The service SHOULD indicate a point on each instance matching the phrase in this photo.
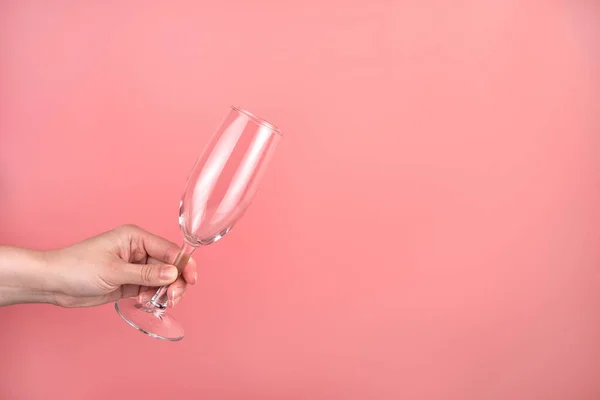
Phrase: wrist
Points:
(25, 277)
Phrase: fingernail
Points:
(168, 273)
(175, 293)
(195, 277)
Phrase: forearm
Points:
(24, 277)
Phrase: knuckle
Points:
(147, 273)
(129, 228)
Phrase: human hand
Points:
(124, 262)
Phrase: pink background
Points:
(429, 228)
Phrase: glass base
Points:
(148, 319)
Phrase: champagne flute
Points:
(218, 191)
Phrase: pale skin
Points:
(124, 262)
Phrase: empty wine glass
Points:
(218, 191)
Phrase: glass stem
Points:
(160, 299)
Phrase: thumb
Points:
(146, 274)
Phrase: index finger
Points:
(155, 246)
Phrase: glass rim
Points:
(257, 119)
